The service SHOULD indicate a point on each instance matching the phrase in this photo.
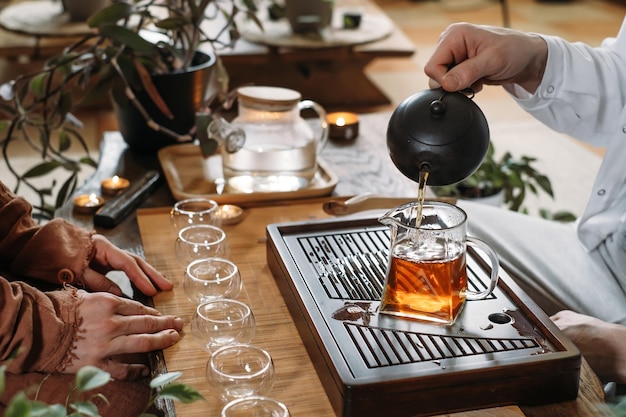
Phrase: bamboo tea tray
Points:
(500, 351)
(188, 177)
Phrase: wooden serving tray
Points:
(184, 169)
(501, 350)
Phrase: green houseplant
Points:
(512, 177)
(90, 378)
(133, 42)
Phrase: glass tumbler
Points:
(200, 241)
(255, 406)
(194, 211)
(238, 371)
(222, 322)
(210, 278)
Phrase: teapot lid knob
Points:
(437, 108)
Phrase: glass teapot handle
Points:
(321, 113)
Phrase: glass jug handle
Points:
(309, 104)
(493, 258)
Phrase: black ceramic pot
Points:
(183, 92)
(443, 133)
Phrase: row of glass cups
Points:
(240, 374)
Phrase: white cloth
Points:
(547, 260)
(583, 94)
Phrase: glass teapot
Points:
(281, 148)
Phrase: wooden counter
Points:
(297, 383)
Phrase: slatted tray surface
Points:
(501, 350)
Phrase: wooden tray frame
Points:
(530, 380)
(184, 171)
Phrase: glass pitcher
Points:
(281, 148)
(427, 274)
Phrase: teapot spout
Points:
(232, 138)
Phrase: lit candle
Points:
(229, 214)
(87, 203)
(112, 186)
(343, 125)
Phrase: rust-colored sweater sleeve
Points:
(42, 324)
(28, 250)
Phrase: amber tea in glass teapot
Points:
(281, 148)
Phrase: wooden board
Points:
(297, 383)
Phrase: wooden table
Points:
(333, 75)
(297, 383)
(361, 166)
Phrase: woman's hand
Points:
(107, 257)
(112, 329)
(471, 56)
(602, 344)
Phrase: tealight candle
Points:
(229, 214)
(112, 186)
(343, 125)
(87, 203)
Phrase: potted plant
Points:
(81, 400)
(507, 177)
(134, 48)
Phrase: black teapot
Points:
(444, 133)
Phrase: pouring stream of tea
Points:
(421, 195)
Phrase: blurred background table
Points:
(331, 73)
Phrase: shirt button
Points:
(601, 192)
(550, 89)
(66, 276)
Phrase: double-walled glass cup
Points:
(255, 406)
(194, 211)
(222, 322)
(200, 241)
(238, 371)
(210, 278)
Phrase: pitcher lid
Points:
(268, 98)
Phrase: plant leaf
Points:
(86, 160)
(129, 38)
(40, 409)
(545, 184)
(3, 369)
(110, 14)
(41, 169)
(173, 23)
(165, 378)
(36, 84)
(90, 377)
(151, 89)
(85, 408)
(65, 103)
(66, 190)
(19, 406)
(64, 141)
(180, 392)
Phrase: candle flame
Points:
(115, 179)
(341, 121)
(93, 198)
